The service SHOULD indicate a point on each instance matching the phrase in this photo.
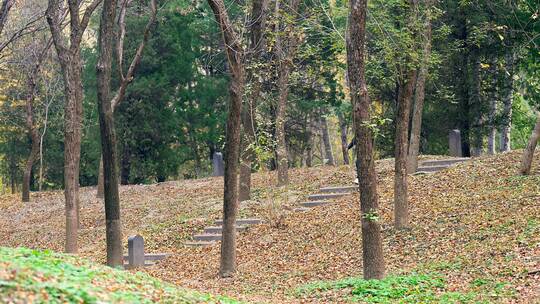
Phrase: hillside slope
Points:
(477, 225)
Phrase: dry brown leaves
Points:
(477, 218)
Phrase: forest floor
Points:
(475, 225)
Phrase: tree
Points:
(235, 58)
(32, 128)
(69, 56)
(106, 107)
(420, 92)
(257, 47)
(285, 50)
(372, 251)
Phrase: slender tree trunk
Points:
(507, 102)
(329, 153)
(343, 136)
(4, 12)
(420, 91)
(492, 133)
(528, 153)
(32, 130)
(373, 258)
(235, 58)
(108, 135)
(41, 140)
(101, 183)
(476, 103)
(285, 47)
(310, 142)
(401, 209)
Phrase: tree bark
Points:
(4, 12)
(285, 48)
(70, 62)
(343, 136)
(100, 186)
(235, 57)
(310, 141)
(507, 102)
(528, 153)
(462, 76)
(492, 133)
(476, 103)
(108, 135)
(420, 93)
(32, 129)
(329, 153)
(401, 204)
(258, 25)
(373, 258)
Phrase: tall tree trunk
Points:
(32, 130)
(258, 24)
(401, 204)
(492, 133)
(4, 12)
(420, 93)
(285, 48)
(372, 249)
(328, 152)
(406, 82)
(507, 102)
(462, 79)
(343, 136)
(108, 135)
(41, 140)
(69, 57)
(476, 103)
(528, 153)
(235, 58)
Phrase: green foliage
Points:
(412, 288)
(49, 277)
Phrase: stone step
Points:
(218, 229)
(151, 256)
(207, 237)
(146, 264)
(325, 196)
(443, 162)
(242, 222)
(312, 204)
(431, 168)
(200, 243)
(301, 209)
(339, 189)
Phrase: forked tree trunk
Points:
(416, 125)
(258, 24)
(507, 102)
(235, 58)
(343, 136)
(328, 151)
(372, 249)
(69, 57)
(528, 153)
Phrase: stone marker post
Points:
(217, 164)
(136, 251)
(454, 140)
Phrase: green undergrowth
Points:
(410, 288)
(33, 276)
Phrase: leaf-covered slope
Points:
(32, 276)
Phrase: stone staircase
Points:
(432, 166)
(325, 196)
(212, 234)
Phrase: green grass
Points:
(411, 288)
(48, 277)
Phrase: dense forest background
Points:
(484, 79)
